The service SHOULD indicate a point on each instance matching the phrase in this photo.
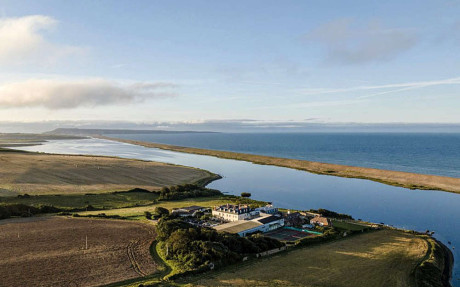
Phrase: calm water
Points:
(419, 210)
(428, 153)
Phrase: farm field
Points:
(96, 200)
(50, 251)
(344, 225)
(139, 211)
(381, 258)
(35, 173)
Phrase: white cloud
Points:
(60, 94)
(347, 44)
(397, 87)
(22, 40)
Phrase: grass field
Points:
(344, 225)
(80, 201)
(139, 211)
(381, 258)
(35, 173)
(396, 178)
(50, 251)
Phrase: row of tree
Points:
(7, 211)
(331, 214)
(186, 191)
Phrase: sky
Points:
(170, 63)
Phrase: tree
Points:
(245, 194)
(148, 215)
(160, 211)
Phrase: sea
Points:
(425, 153)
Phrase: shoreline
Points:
(437, 265)
(395, 178)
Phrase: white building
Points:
(269, 209)
(230, 212)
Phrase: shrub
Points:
(160, 212)
(328, 213)
(148, 215)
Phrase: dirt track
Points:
(50, 251)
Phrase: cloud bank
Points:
(59, 94)
(348, 44)
(22, 40)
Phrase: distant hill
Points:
(80, 132)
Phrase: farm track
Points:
(132, 258)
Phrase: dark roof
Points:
(292, 215)
(268, 219)
(181, 211)
(237, 226)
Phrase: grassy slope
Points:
(345, 225)
(396, 178)
(99, 200)
(435, 270)
(36, 173)
(139, 211)
(383, 258)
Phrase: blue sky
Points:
(228, 61)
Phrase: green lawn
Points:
(100, 200)
(139, 211)
(382, 258)
(344, 225)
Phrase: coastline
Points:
(389, 177)
(437, 266)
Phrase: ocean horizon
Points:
(424, 153)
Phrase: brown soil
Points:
(50, 251)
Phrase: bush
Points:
(245, 194)
(148, 215)
(332, 214)
(160, 212)
(90, 208)
(186, 191)
(7, 211)
(49, 209)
